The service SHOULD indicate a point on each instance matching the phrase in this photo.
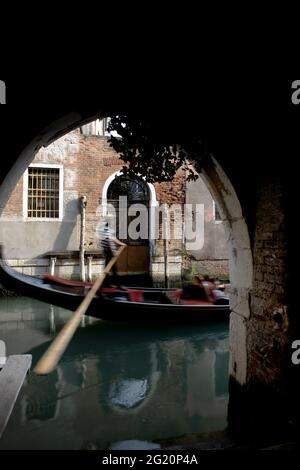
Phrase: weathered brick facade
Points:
(171, 193)
(88, 162)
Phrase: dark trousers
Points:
(108, 256)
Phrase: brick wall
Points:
(215, 268)
(268, 325)
(171, 193)
(88, 161)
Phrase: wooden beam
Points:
(12, 377)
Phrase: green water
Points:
(116, 384)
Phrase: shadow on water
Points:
(117, 382)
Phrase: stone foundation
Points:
(157, 271)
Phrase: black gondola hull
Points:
(116, 308)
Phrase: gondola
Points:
(114, 304)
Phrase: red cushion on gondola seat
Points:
(174, 295)
(135, 295)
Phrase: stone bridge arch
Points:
(246, 249)
(240, 262)
(240, 256)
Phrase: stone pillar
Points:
(165, 232)
(240, 264)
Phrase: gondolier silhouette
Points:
(109, 243)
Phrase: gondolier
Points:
(109, 243)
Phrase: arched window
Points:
(136, 190)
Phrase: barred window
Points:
(43, 192)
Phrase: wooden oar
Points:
(53, 354)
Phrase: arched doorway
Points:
(131, 192)
(129, 198)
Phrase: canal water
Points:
(117, 386)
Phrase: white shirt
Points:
(106, 237)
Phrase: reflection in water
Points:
(115, 383)
(128, 393)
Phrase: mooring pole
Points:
(82, 237)
(165, 237)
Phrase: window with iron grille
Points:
(43, 192)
